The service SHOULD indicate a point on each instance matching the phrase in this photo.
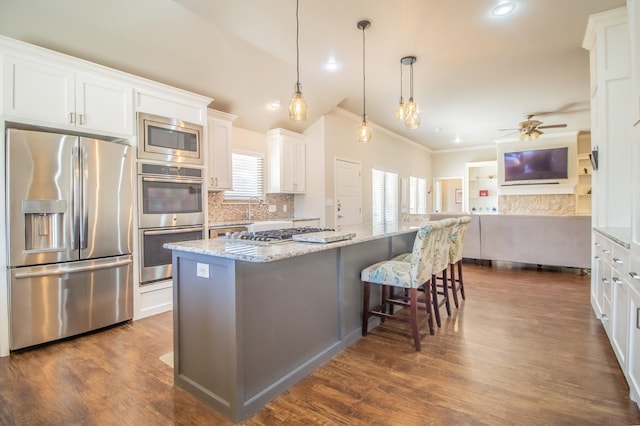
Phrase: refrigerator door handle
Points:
(75, 198)
(84, 225)
(58, 270)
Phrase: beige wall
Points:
(386, 151)
(451, 163)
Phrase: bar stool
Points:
(407, 275)
(440, 266)
(455, 258)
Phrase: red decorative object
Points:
(484, 192)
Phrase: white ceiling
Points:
(474, 74)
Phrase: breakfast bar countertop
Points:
(267, 253)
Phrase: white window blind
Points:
(417, 195)
(384, 195)
(248, 176)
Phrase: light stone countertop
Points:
(256, 253)
(621, 236)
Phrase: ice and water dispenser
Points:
(44, 224)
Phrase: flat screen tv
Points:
(536, 165)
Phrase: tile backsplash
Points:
(221, 211)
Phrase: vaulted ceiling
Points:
(474, 73)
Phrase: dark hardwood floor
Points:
(523, 349)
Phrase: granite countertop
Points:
(256, 253)
(621, 236)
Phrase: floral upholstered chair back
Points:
(457, 239)
(443, 241)
(424, 251)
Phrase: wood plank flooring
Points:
(524, 348)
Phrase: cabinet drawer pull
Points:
(597, 258)
(606, 251)
(637, 317)
(605, 317)
(616, 260)
(597, 244)
(82, 119)
(616, 280)
(72, 118)
(634, 275)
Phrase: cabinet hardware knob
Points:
(605, 251)
(597, 258)
(72, 118)
(637, 317)
(634, 275)
(82, 119)
(615, 259)
(597, 244)
(605, 317)
(616, 280)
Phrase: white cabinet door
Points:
(38, 91)
(220, 147)
(287, 163)
(596, 278)
(104, 105)
(633, 353)
(620, 320)
(53, 95)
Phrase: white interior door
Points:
(348, 181)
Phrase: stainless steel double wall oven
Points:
(170, 191)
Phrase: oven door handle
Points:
(173, 231)
(172, 179)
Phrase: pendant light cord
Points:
(411, 79)
(297, 46)
(364, 92)
(400, 78)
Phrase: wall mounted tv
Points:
(536, 166)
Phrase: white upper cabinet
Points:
(219, 150)
(48, 94)
(287, 162)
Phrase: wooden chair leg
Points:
(452, 280)
(445, 291)
(429, 311)
(434, 299)
(413, 308)
(460, 279)
(365, 307)
(383, 301)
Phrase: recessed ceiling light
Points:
(332, 65)
(437, 129)
(503, 9)
(274, 104)
(458, 139)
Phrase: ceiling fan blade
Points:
(512, 133)
(506, 130)
(552, 126)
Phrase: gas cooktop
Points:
(269, 237)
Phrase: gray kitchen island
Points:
(252, 320)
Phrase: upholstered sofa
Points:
(540, 240)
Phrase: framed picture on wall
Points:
(458, 196)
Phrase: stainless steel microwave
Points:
(170, 140)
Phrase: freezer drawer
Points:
(55, 301)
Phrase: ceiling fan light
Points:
(401, 111)
(298, 109)
(524, 137)
(364, 132)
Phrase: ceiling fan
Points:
(531, 129)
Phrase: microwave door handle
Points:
(172, 179)
(174, 231)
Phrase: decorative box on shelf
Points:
(484, 192)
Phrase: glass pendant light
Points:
(297, 106)
(412, 119)
(364, 132)
(401, 111)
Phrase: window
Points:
(417, 195)
(384, 195)
(247, 175)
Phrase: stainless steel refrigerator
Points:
(69, 230)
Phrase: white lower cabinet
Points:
(633, 353)
(617, 284)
